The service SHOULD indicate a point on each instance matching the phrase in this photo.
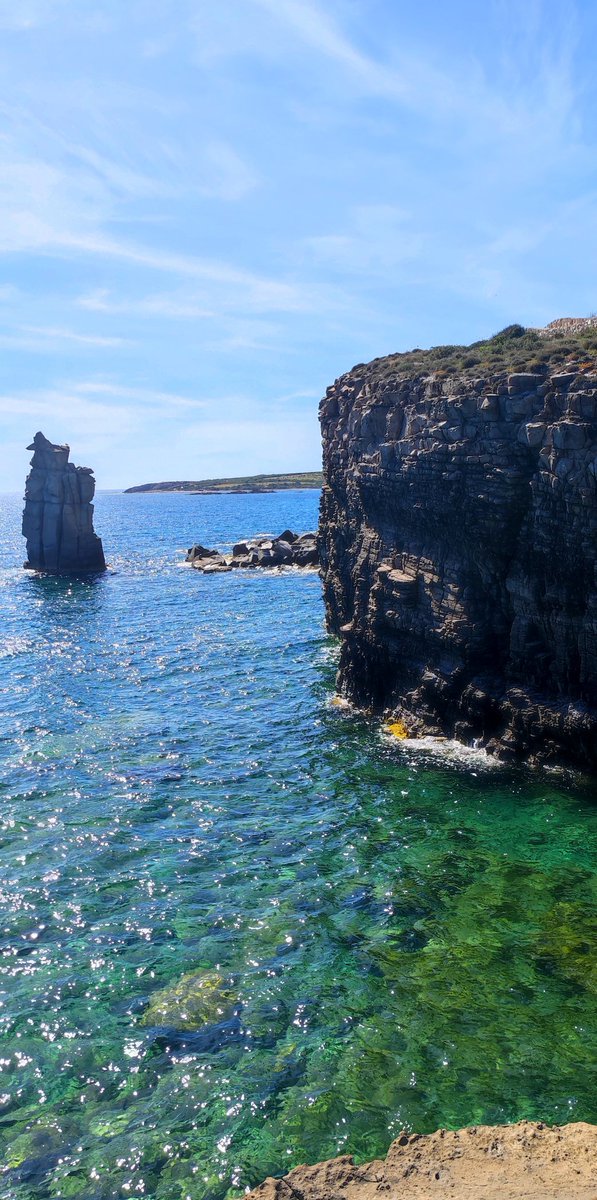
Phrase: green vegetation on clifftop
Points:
(512, 349)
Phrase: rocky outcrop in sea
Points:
(288, 550)
(458, 542)
(58, 515)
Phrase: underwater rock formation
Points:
(196, 999)
(458, 542)
(58, 515)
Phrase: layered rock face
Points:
(458, 542)
(58, 515)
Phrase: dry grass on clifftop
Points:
(514, 349)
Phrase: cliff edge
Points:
(458, 540)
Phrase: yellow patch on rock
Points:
(397, 729)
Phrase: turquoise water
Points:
(241, 928)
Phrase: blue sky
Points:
(209, 209)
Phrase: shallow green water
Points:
(241, 929)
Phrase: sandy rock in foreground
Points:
(526, 1161)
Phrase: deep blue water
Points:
(240, 928)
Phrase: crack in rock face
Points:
(458, 544)
(58, 515)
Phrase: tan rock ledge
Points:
(527, 1161)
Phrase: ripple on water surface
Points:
(242, 928)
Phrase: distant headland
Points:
(239, 484)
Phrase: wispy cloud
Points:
(27, 14)
(237, 319)
(61, 223)
(535, 101)
(379, 238)
(44, 339)
(66, 414)
(96, 415)
(234, 202)
(146, 397)
(320, 32)
(224, 174)
(268, 292)
(172, 307)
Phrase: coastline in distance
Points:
(243, 483)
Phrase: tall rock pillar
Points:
(58, 515)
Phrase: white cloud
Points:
(147, 397)
(155, 305)
(118, 176)
(45, 211)
(95, 406)
(68, 415)
(530, 104)
(117, 428)
(228, 289)
(45, 339)
(321, 33)
(27, 14)
(430, 188)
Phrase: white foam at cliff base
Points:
(445, 749)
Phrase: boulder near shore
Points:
(287, 550)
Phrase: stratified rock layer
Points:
(58, 516)
(458, 542)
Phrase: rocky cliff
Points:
(58, 515)
(458, 540)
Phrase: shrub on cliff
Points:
(511, 349)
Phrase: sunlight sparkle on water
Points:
(394, 935)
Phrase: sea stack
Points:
(58, 515)
(458, 541)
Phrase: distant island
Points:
(243, 483)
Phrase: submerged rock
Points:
(58, 515)
(196, 999)
(288, 550)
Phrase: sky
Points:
(210, 209)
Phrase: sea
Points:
(241, 926)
